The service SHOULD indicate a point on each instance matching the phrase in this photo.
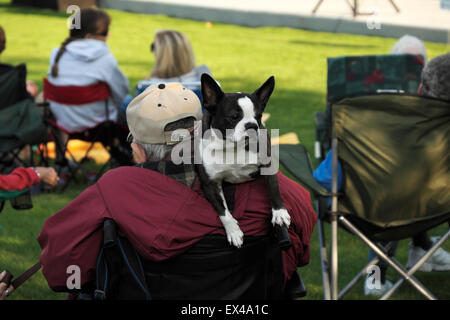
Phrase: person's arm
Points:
(117, 81)
(297, 201)
(25, 178)
(70, 240)
(19, 179)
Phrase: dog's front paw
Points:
(235, 236)
(280, 217)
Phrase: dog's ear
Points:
(211, 93)
(264, 92)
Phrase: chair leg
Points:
(416, 267)
(334, 258)
(334, 222)
(324, 261)
(392, 262)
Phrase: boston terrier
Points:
(230, 122)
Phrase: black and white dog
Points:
(235, 117)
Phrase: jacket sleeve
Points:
(303, 219)
(19, 179)
(70, 240)
(117, 81)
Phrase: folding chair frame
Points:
(330, 269)
(62, 148)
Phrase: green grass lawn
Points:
(241, 59)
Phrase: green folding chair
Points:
(394, 153)
(20, 121)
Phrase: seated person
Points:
(174, 58)
(158, 205)
(435, 84)
(82, 60)
(174, 61)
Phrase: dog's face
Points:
(235, 113)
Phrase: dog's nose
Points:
(251, 125)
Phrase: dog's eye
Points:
(234, 116)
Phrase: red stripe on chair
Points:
(76, 95)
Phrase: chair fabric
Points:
(394, 150)
(75, 95)
(353, 76)
(295, 159)
(6, 195)
(361, 75)
(20, 121)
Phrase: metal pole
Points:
(397, 267)
(416, 267)
(323, 259)
(334, 223)
(317, 6)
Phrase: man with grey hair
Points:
(158, 206)
(436, 78)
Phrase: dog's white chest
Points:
(228, 161)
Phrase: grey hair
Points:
(160, 151)
(410, 45)
(155, 151)
(436, 78)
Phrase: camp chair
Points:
(210, 269)
(354, 76)
(104, 132)
(394, 153)
(20, 121)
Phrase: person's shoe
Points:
(374, 290)
(439, 261)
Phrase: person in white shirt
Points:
(84, 59)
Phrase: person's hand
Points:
(4, 291)
(32, 88)
(48, 175)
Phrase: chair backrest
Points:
(20, 120)
(354, 76)
(12, 85)
(76, 95)
(394, 151)
(361, 75)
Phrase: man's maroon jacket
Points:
(162, 218)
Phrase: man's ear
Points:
(139, 153)
(264, 92)
(211, 93)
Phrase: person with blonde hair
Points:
(174, 62)
(174, 58)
